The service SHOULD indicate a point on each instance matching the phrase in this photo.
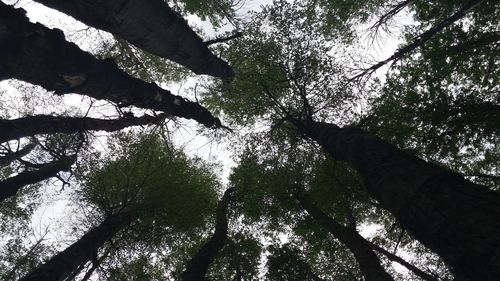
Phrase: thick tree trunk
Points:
(10, 186)
(46, 124)
(12, 156)
(455, 218)
(64, 263)
(150, 25)
(198, 266)
(39, 55)
(367, 260)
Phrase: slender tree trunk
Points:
(417, 271)
(12, 156)
(424, 37)
(39, 55)
(150, 25)
(46, 124)
(64, 263)
(10, 186)
(457, 219)
(367, 260)
(198, 266)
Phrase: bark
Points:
(417, 271)
(454, 217)
(39, 55)
(46, 124)
(13, 156)
(64, 263)
(424, 37)
(198, 266)
(367, 260)
(150, 25)
(10, 186)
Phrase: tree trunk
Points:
(457, 219)
(10, 186)
(46, 124)
(64, 263)
(367, 260)
(421, 39)
(39, 55)
(150, 25)
(417, 271)
(198, 266)
(12, 156)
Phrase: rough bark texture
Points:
(198, 266)
(12, 156)
(150, 25)
(46, 124)
(39, 55)
(455, 218)
(64, 263)
(10, 186)
(367, 260)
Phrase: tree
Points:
(10, 186)
(445, 94)
(75, 71)
(198, 266)
(414, 191)
(47, 124)
(324, 149)
(151, 26)
(156, 174)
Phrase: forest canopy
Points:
(249, 140)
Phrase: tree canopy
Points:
(345, 164)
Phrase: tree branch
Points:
(223, 39)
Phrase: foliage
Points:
(216, 11)
(442, 102)
(239, 257)
(287, 263)
(141, 64)
(292, 65)
(154, 182)
(278, 68)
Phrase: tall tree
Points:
(46, 124)
(9, 156)
(148, 185)
(10, 186)
(438, 207)
(366, 258)
(64, 263)
(197, 267)
(152, 26)
(39, 55)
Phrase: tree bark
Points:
(12, 156)
(10, 186)
(198, 266)
(457, 219)
(367, 260)
(39, 55)
(150, 25)
(64, 263)
(46, 124)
